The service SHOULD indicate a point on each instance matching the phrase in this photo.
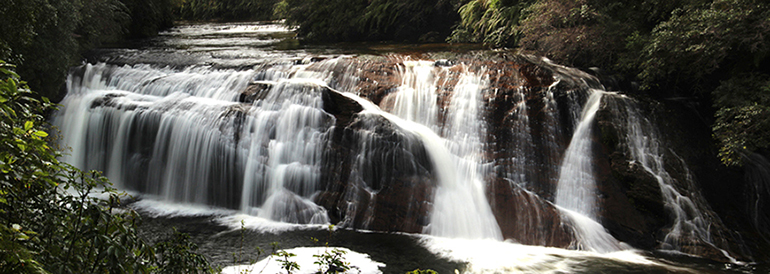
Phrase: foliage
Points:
(743, 119)
(177, 255)
(420, 271)
(332, 261)
(226, 10)
(375, 20)
(46, 37)
(683, 48)
(700, 38)
(572, 32)
(492, 22)
(286, 262)
(45, 51)
(148, 17)
(50, 221)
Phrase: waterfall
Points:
(692, 219)
(416, 99)
(460, 206)
(283, 161)
(576, 191)
(757, 176)
(190, 140)
(523, 144)
(486, 148)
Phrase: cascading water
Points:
(282, 165)
(691, 217)
(758, 178)
(577, 187)
(576, 192)
(461, 207)
(417, 98)
(475, 151)
(194, 142)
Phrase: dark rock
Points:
(526, 218)
(380, 177)
(343, 108)
(255, 91)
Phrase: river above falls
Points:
(227, 131)
(244, 45)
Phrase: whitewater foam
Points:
(359, 262)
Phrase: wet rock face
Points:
(392, 189)
(254, 92)
(526, 218)
(378, 177)
(634, 207)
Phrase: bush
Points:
(743, 117)
(699, 39)
(493, 23)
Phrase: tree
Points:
(699, 39)
(376, 20)
(743, 117)
(46, 37)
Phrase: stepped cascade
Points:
(510, 147)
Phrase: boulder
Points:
(526, 218)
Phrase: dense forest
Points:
(711, 54)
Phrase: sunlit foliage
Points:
(743, 119)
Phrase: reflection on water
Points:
(242, 45)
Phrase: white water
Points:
(461, 209)
(471, 216)
(460, 205)
(188, 140)
(305, 258)
(282, 169)
(144, 103)
(576, 192)
(682, 199)
(416, 99)
(589, 234)
(487, 256)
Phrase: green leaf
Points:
(28, 125)
(41, 133)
